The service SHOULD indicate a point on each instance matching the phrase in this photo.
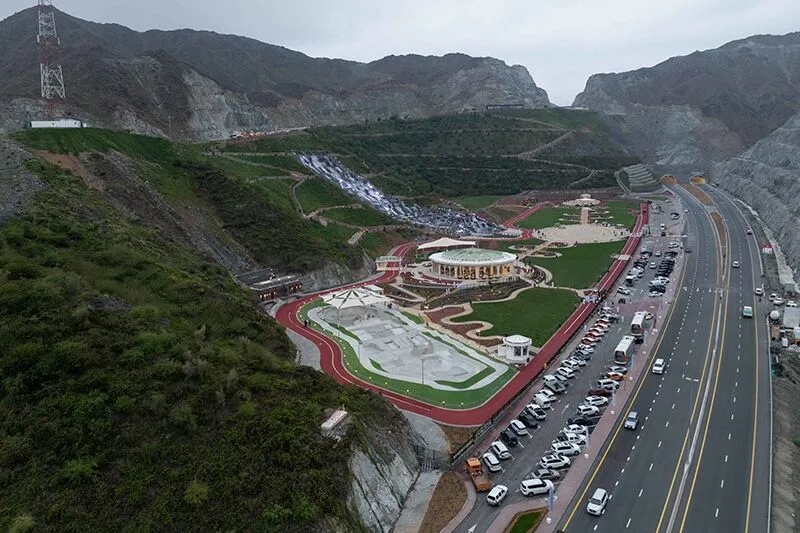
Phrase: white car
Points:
(735, 264)
(653, 265)
(550, 394)
(597, 401)
(673, 244)
(573, 438)
(791, 303)
(534, 486)
(657, 253)
(618, 368)
(658, 366)
(535, 411)
(554, 461)
(759, 291)
(597, 503)
(491, 462)
(585, 348)
(608, 384)
(497, 495)
(778, 301)
(601, 325)
(623, 290)
(632, 421)
(587, 410)
(576, 361)
(655, 294)
(566, 449)
(572, 364)
(566, 372)
(519, 428)
(575, 428)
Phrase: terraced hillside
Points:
(244, 212)
(470, 154)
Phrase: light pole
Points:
(422, 359)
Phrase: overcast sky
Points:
(561, 42)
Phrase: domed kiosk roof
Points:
(517, 339)
(472, 257)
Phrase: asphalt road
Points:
(728, 486)
(639, 467)
(527, 455)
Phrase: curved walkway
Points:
(332, 363)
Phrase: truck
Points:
(479, 476)
(747, 311)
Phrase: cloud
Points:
(561, 43)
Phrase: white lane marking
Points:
(651, 467)
(716, 514)
(628, 524)
(721, 483)
(731, 416)
(726, 458)
(729, 436)
(659, 444)
(667, 424)
(673, 406)
(640, 492)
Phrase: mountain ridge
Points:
(202, 85)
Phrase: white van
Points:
(658, 366)
(542, 401)
(499, 450)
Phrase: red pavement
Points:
(331, 356)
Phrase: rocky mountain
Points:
(765, 177)
(688, 112)
(203, 85)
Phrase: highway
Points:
(638, 467)
(728, 486)
(527, 455)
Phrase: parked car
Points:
(608, 384)
(598, 391)
(587, 410)
(778, 301)
(497, 495)
(573, 438)
(535, 411)
(597, 401)
(618, 368)
(576, 361)
(534, 486)
(791, 303)
(528, 420)
(508, 438)
(492, 462)
(546, 473)
(567, 449)
(587, 421)
(759, 291)
(553, 460)
(575, 428)
(623, 290)
(518, 428)
(566, 372)
(499, 450)
(616, 376)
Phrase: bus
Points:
(624, 350)
(637, 325)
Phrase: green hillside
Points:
(477, 154)
(254, 208)
(142, 391)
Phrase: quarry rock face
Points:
(766, 177)
(687, 113)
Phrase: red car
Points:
(598, 392)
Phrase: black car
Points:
(528, 420)
(509, 438)
(583, 420)
(546, 473)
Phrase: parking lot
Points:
(525, 456)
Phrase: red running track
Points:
(333, 365)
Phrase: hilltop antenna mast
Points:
(52, 78)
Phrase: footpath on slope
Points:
(331, 357)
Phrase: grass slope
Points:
(358, 217)
(580, 266)
(536, 313)
(476, 203)
(316, 192)
(141, 390)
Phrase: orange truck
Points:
(480, 478)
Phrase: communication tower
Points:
(52, 78)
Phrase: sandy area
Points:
(581, 233)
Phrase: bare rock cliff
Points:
(767, 178)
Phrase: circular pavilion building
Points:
(473, 263)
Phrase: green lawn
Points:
(316, 192)
(526, 522)
(620, 215)
(283, 162)
(536, 313)
(476, 203)
(580, 266)
(505, 246)
(466, 399)
(550, 216)
(358, 217)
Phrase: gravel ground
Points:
(416, 504)
(429, 431)
(307, 350)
